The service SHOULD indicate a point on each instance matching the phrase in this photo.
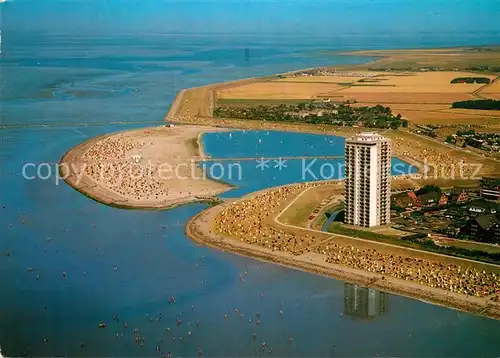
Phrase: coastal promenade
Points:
(453, 282)
(271, 158)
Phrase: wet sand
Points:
(148, 168)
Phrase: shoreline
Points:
(199, 229)
(101, 195)
(71, 166)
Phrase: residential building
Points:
(481, 206)
(458, 195)
(367, 180)
(433, 198)
(485, 228)
(403, 200)
(490, 188)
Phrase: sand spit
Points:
(205, 229)
(148, 168)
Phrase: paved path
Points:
(276, 219)
(271, 158)
(477, 92)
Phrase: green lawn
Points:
(342, 229)
(473, 246)
(475, 251)
(320, 220)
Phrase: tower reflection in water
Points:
(364, 303)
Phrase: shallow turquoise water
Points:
(64, 80)
(252, 175)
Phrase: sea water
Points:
(68, 263)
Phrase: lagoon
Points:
(249, 176)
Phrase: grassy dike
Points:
(416, 241)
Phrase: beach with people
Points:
(250, 226)
(153, 168)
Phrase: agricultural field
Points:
(278, 90)
(429, 88)
(446, 58)
(237, 102)
(342, 80)
(442, 115)
(421, 97)
(364, 95)
(421, 82)
(492, 91)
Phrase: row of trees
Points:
(344, 115)
(488, 104)
(471, 80)
(428, 189)
(483, 69)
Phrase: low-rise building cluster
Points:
(461, 212)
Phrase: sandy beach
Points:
(448, 282)
(149, 168)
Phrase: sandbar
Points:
(147, 168)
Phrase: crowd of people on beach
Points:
(114, 163)
(450, 277)
(436, 162)
(251, 221)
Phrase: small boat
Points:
(102, 325)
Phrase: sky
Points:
(319, 17)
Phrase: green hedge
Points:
(471, 80)
(487, 104)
